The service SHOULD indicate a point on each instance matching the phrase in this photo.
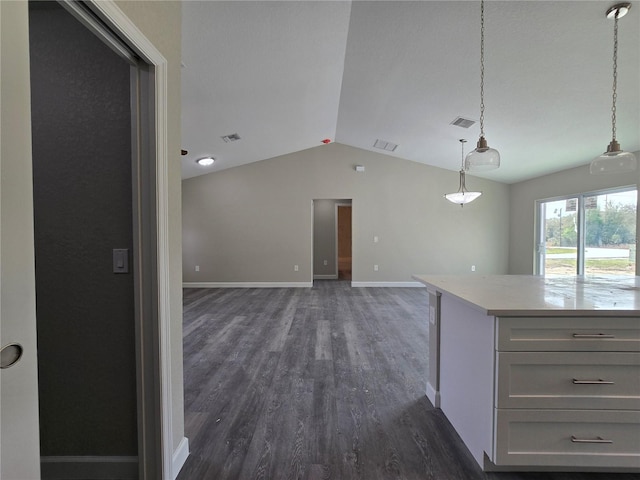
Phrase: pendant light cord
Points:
(615, 77)
(482, 68)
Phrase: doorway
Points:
(159, 457)
(95, 231)
(588, 234)
(332, 257)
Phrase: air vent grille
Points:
(463, 122)
(231, 138)
(388, 146)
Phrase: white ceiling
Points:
(286, 75)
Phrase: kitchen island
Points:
(538, 373)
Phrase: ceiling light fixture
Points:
(206, 161)
(462, 196)
(614, 160)
(483, 157)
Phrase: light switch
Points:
(120, 260)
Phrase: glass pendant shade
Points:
(483, 157)
(614, 160)
(462, 196)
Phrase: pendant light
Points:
(614, 160)
(462, 196)
(483, 157)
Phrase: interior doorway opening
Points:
(343, 229)
(332, 245)
(96, 222)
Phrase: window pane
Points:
(560, 237)
(610, 233)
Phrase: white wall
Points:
(253, 223)
(523, 196)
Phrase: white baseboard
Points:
(389, 284)
(247, 284)
(180, 456)
(433, 396)
(325, 277)
(89, 467)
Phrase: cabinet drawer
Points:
(621, 334)
(567, 438)
(580, 380)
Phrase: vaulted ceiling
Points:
(284, 75)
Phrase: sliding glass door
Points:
(592, 234)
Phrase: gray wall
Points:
(523, 196)
(324, 237)
(253, 223)
(81, 124)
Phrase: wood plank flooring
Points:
(318, 383)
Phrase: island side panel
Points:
(467, 373)
(433, 366)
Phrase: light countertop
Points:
(524, 295)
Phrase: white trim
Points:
(127, 30)
(325, 277)
(433, 396)
(180, 456)
(89, 467)
(388, 284)
(247, 285)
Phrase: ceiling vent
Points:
(462, 122)
(388, 146)
(231, 138)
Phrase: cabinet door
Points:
(565, 438)
(581, 380)
(553, 334)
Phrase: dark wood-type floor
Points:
(318, 383)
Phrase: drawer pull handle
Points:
(592, 382)
(574, 439)
(593, 335)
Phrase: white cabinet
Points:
(567, 392)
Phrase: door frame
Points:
(155, 375)
(151, 254)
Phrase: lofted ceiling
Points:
(284, 75)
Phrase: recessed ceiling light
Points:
(206, 161)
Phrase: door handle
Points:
(10, 354)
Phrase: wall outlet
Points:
(326, 262)
(197, 268)
(473, 268)
(375, 268)
(375, 239)
(295, 268)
